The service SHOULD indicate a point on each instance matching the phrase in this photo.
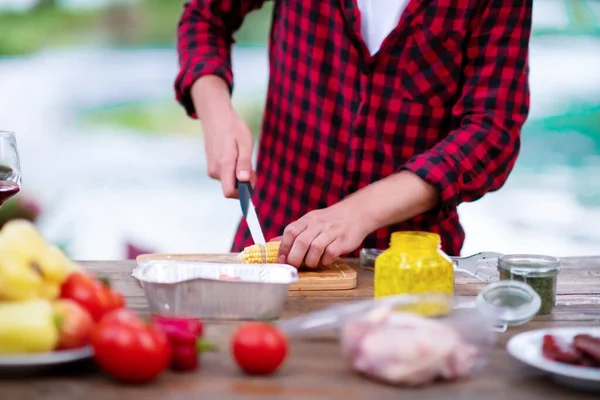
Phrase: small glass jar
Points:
(414, 263)
(512, 303)
(538, 271)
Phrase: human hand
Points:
(228, 144)
(323, 235)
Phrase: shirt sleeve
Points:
(204, 39)
(479, 154)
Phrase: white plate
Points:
(18, 361)
(527, 348)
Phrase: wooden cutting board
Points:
(338, 276)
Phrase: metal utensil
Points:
(469, 265)
(249, 213)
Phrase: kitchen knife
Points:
(469, 265)
(249, 213)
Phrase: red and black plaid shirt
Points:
(445, 97)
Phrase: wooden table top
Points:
(314, 368)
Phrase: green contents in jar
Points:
(539, 272)
(544, 286)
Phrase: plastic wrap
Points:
(386, 340)
(408, 349)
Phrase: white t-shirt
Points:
(378, 19)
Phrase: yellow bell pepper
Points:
(27, 327)
(56, 266)
(29, 267)
(49, 291)
(17, 280)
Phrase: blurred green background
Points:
(110, 161)
(35, 25)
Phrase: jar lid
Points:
(529, 264)
(512, 302)
(414, 238)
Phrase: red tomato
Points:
(92, 294)
(75, 324)
(116, 299)
(130, 350)
(125, 317)
(259, 348)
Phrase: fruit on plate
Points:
(27, 327)
(74, 323)
(30, 268)
(93, 294)
(128, 349)
(259, 348)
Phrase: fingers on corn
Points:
(255, 254)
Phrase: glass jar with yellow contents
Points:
(414, 263)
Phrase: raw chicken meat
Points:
(407, 349)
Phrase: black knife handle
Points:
(239, 183)
(245, 194)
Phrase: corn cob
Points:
(255, 254)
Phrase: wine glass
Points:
(10, 168)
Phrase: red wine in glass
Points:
(7, 190)
(10, 169)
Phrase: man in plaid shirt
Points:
(381, 115)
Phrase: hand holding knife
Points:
(249, 213)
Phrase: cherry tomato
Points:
(259, 348)
(92, 294)
(130, 350)
(75, 324)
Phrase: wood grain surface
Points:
(314, 369)
(338, 276)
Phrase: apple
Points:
(75, 324)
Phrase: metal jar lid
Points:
(529, 264)
(512, 302)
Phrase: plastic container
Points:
(407, 349)
(513, 303)
(384, 340)
(389, 339)
(413, 264)
(538, 271)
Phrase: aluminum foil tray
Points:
(215, 290)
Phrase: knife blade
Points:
(249, 213)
